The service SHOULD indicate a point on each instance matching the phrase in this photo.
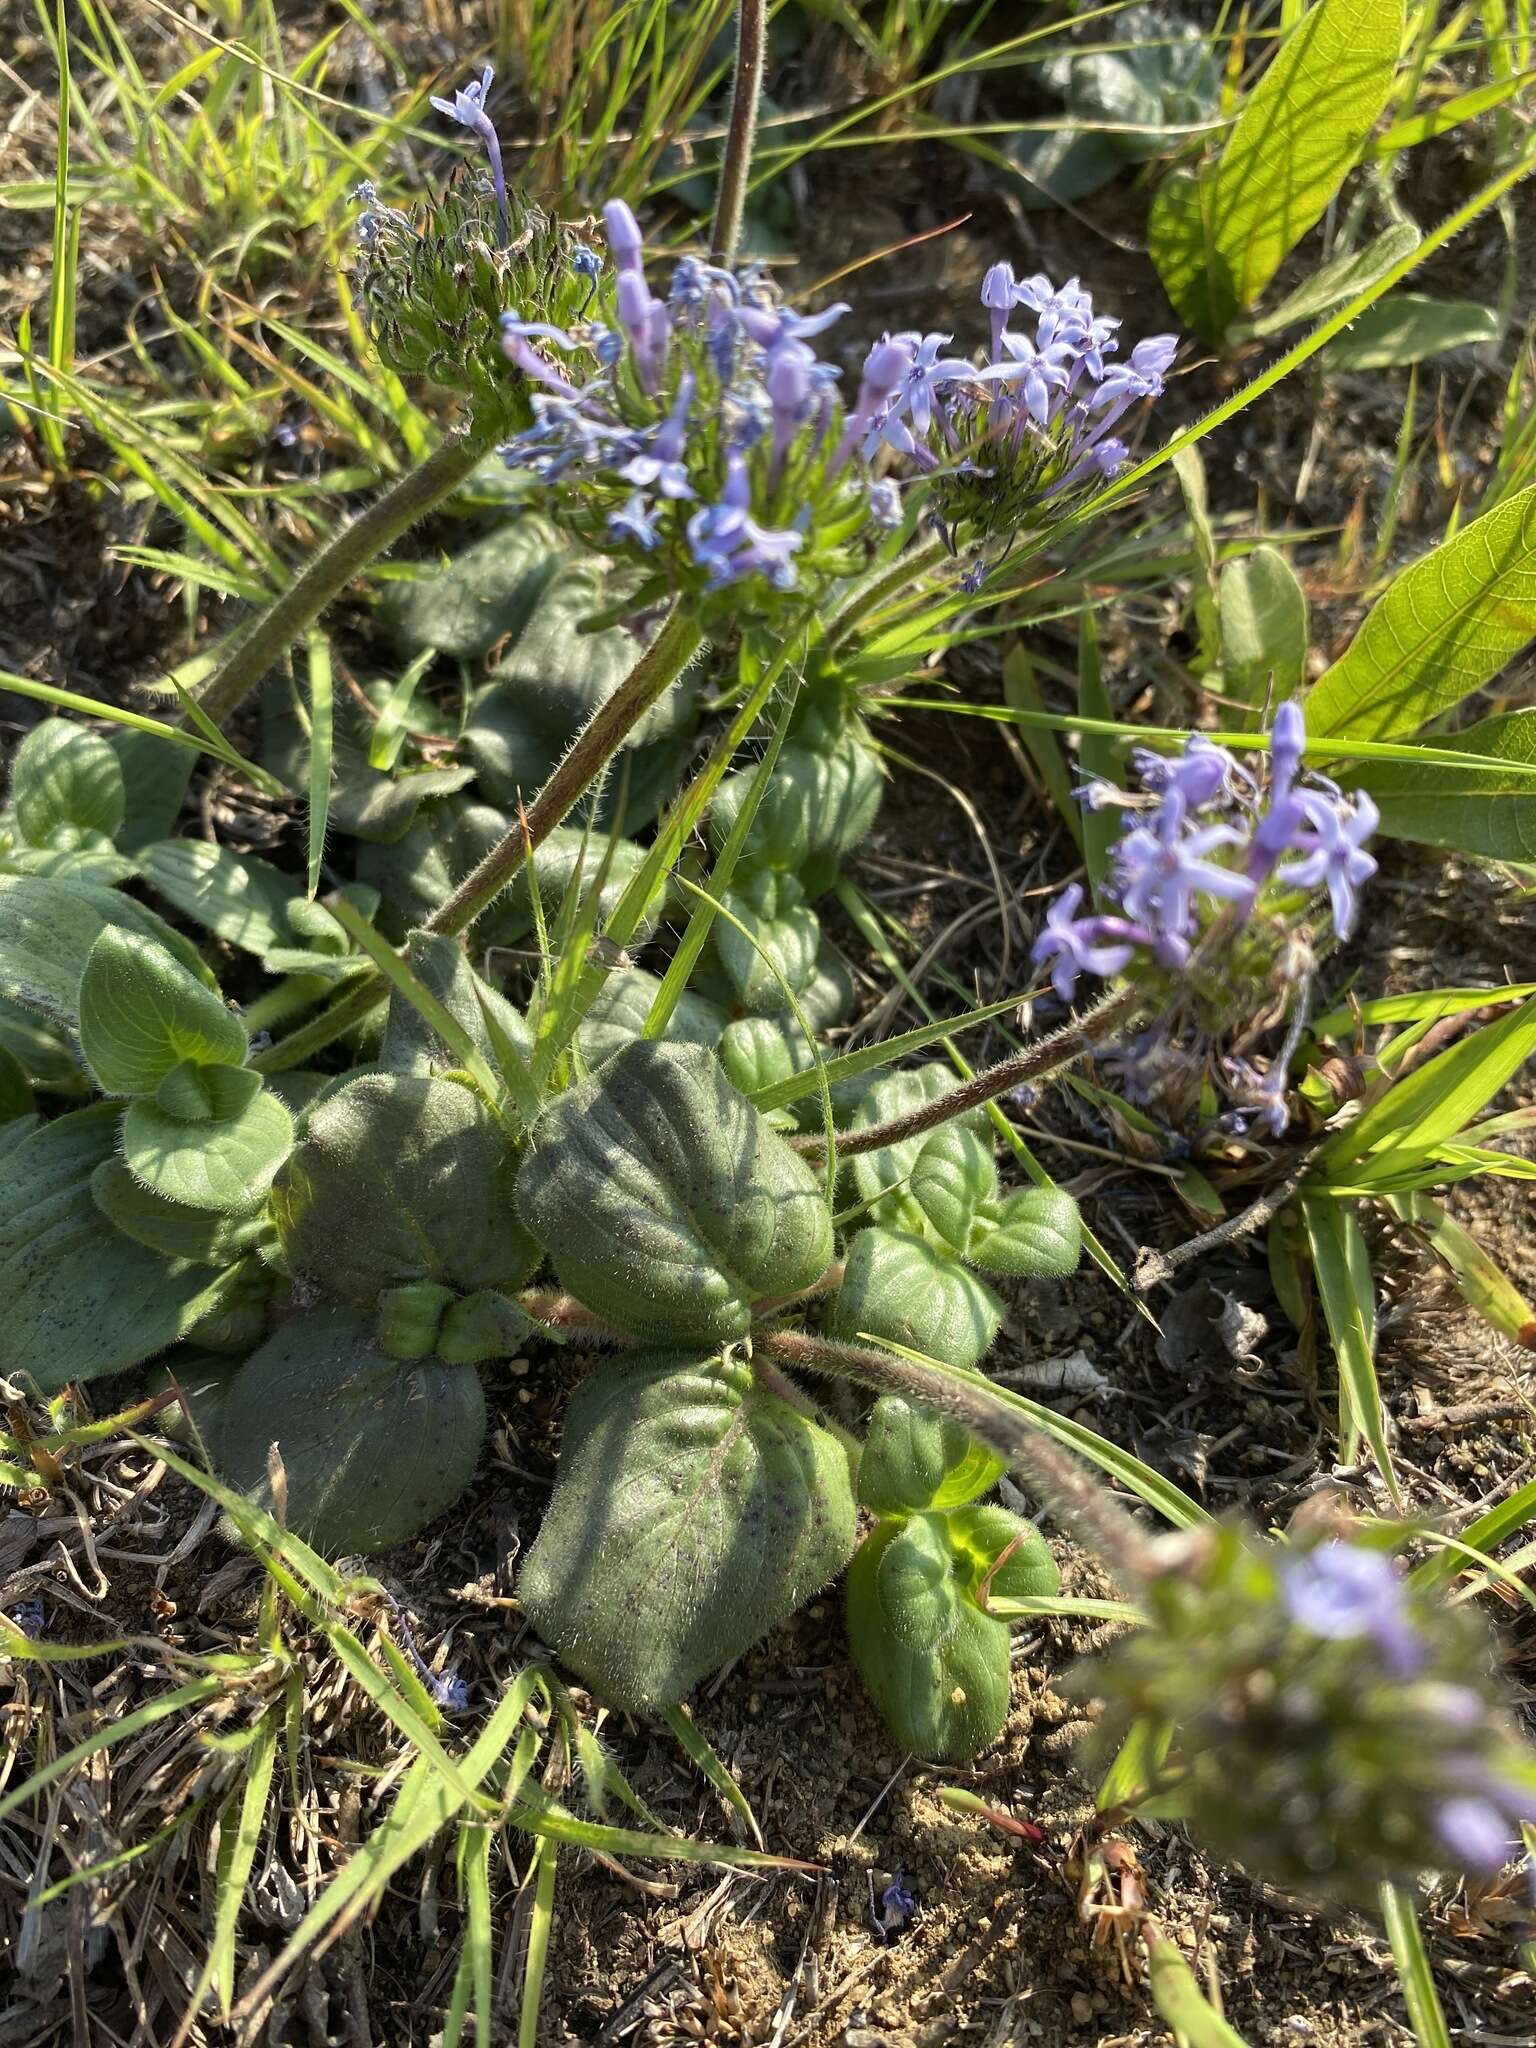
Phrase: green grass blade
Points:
(541, 1920)
(321, 740)
(1177, 1995)
(153, 1711)
(1425, 2015)
(237, 1857)
(1342, 1272)
(702, 1752)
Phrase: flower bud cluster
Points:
(1216, 880)
(1334, 1726)
(433, 282)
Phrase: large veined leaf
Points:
(239, 897)
(693, 1511)
(142, 1014)
(155, 778)
(1446, 626)
(370, 1447)
(402, 1177)
(820, 803)
(770, 942)
(666, 1202)
(439, 963)
(48, 926)
(1218, 237)
(1469, 809)
(77, 1297)
(882, 1179)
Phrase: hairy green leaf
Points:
(1263, 627)
(665, 1201)
(48, 926)
(238, 897)
(77, 1298)
(370, 1448)
(915, 1459)
(66, 786)
(224, 1163)
(902, 1289)
(693, 1511)
(142, 1013)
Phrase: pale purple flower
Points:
(1161, 868)
(661, 464)
(634, 520)
(467, 107)
(1086, 945)
(999, 294)
(1341, 1592)
(1332, 852)
(884, 505)
(771, 327)
(928, 374)
(521, 354)
(789, 382)
(626, 244)
(1040, 374)
(1476, 1832)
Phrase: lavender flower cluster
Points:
(1335, 1725)
(1034, 421)
(700, 429)
(1210, 892)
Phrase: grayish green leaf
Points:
(239, 897)
(904, 1290)
(47, 928)
(914, 1459)
(77, 1298)
(370, 1448)
(1408, 326)
(692, 1513)
(666, 1203)
(402, 1177)
(66, 785)
(1263, 627)
(225, 1163)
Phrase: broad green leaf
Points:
(1034, 1234)
(570, 858)
(441, 966)
(758, 1053)
(239, 897)
(203, 1235)
(1342, 1273)
(198, 1092)
(1351, 271)
(48, 926)
(953, 1178)
(693, 1512)
(402, 1177)
(665, 1201)
(619, 1014)
(155, 777)
(821, 803)
(882, 1179)
(1435, 1101)
(1468, 810)
(77, 1298)
(371, 1448)
(226, 1163)
(774, 941)
(937, 1665)
(66, 786)
(915, 1459)
(1263, 627)
(901, 1289)
(1407, 327)
(1218, 238)
(142, 1013)
(1444, 628)
(488, 592)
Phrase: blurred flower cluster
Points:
(1337, 1726)
(1218, 880)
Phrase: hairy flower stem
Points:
(1044, 1057)
(386, 520)
(741, 130)
(1077, 1500)
(589, 753)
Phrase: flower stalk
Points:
(387, 520)
(741, 131)
(1058, 1049)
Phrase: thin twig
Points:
(741, 134)
(1154, 1268)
